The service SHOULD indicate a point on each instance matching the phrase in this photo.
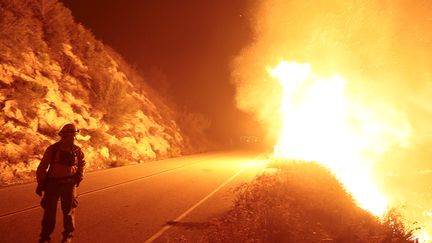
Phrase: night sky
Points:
(188, 43)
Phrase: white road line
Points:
(8, 214)
(166, 227)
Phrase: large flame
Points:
(321, 123)
(373, 121)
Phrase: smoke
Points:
(383, 48)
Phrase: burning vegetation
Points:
(52, 72)
(303, 202)
(349, 84)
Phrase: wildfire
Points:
(321, 123)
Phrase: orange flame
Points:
(321, 123)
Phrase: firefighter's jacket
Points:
(57, 163)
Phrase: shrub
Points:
(19, 25)
(303, 202)
(27, 93)
(97, 138)
(111, 96)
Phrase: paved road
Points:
(134, 203)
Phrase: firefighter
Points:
(59, 173)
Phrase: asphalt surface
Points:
(137, 203)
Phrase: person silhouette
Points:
(59, 173)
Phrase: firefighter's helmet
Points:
(68, 129)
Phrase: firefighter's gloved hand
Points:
(39, 191)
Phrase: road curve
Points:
(134, 203)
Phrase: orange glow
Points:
(321, 123)
(370, 124)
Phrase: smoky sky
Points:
(383, 48)
(183, 48)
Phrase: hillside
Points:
(53, 71)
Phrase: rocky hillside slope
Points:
(52, 72)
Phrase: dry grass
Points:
(302, 202)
